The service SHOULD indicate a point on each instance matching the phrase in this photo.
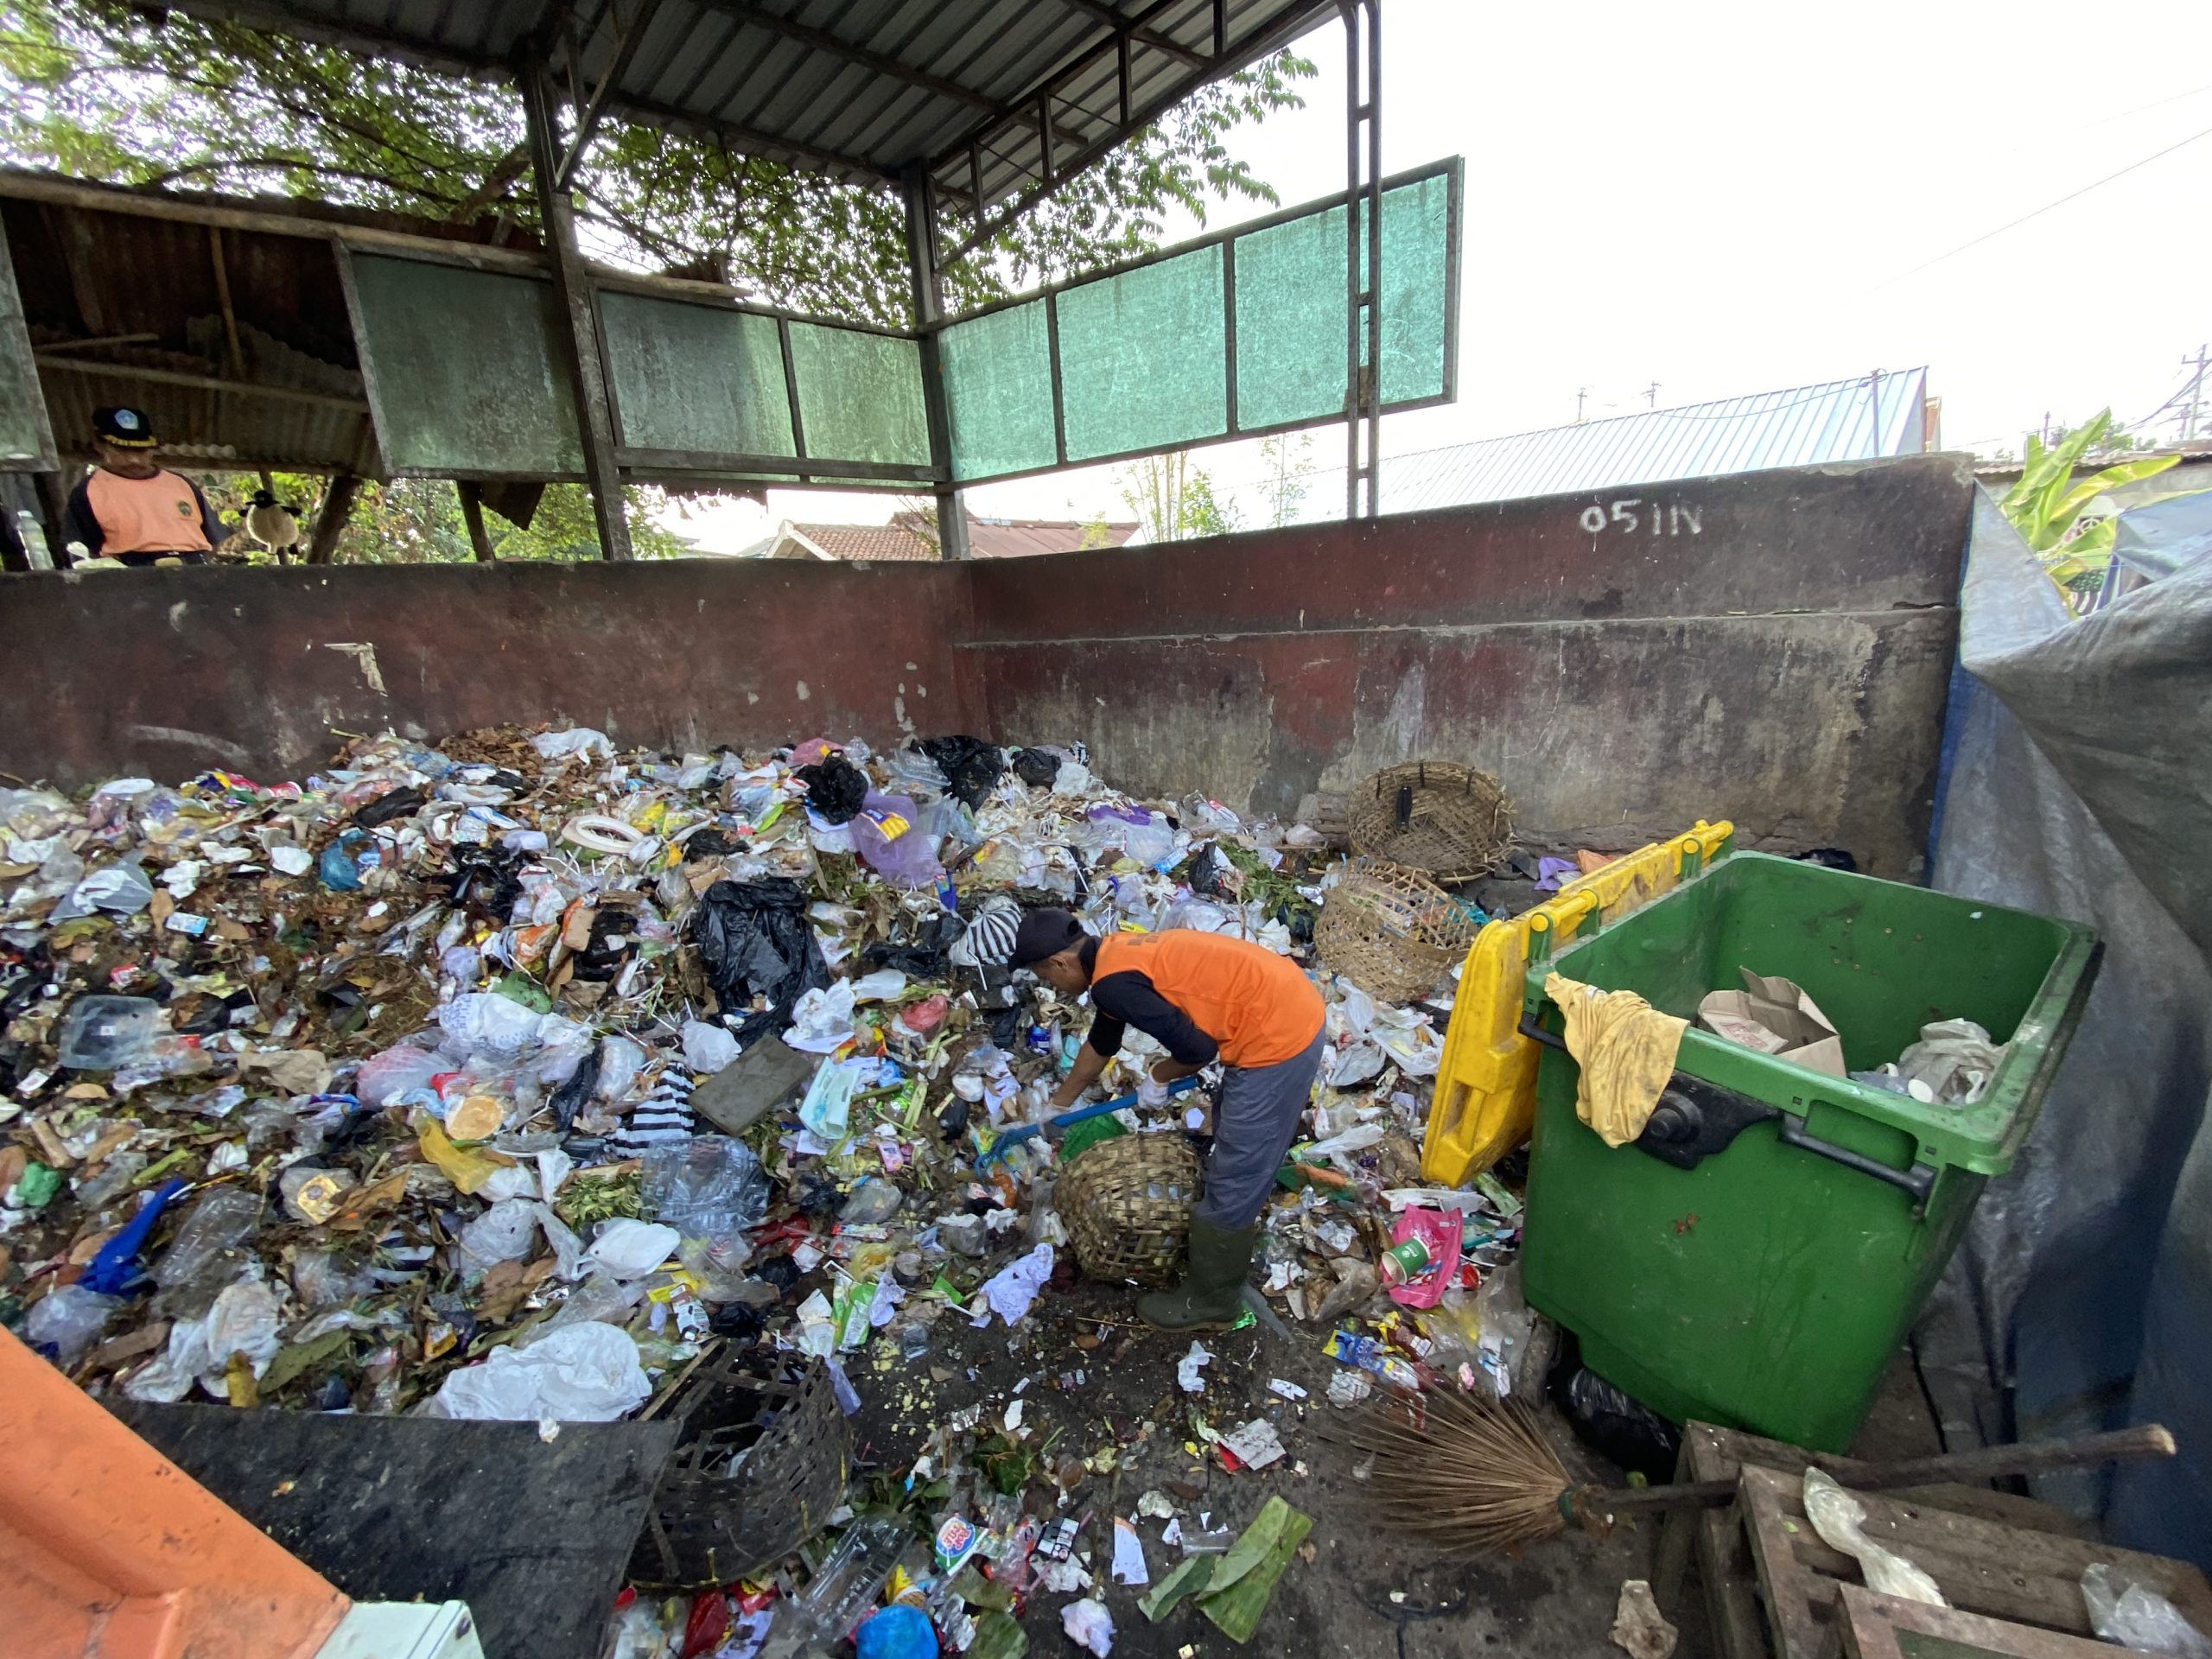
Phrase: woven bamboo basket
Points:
(1452, 822)
(1127, 1205)
(1391, 930)
(718, 1517)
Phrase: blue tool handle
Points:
(115, 1270)
(1068, 1120)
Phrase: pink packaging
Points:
(1440, 1230)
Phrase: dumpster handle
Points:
(1919, 1180)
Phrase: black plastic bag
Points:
(971, 765)
(573, 1095)
(1622, 1430)
(484, 881)
(1038, 768)
(1207, 867)
(754, 941)
(392, 804)
(836, 788)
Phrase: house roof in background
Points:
(1801, 426)
(905, 537)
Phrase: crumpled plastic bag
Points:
(242, 1321)
(708, 1187)
(707, 1049)
(503, 1233)
(120, 889)
(576, 740)
(1089, 1626)
(583, 1373)
(484, 1022)
(821, 1021)
(1955, 1059)
(2135, 1615)
(630, 1250)
(1839, 1518)
(1011, 1291)
(69, 1320)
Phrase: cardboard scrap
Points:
(1773, 1015)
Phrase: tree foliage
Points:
(1172, 499)
(417, 521)
(2053, 513)
(124, 94)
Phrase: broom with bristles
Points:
(1487, 1479)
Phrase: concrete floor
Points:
(1367, 1592)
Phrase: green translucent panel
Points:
(23, 402)
(998, 393)
(697, 377)
(1290, 321)
(461, 370)
(1142, 357)
(1290, 308)
(860, 395)
(1417, 273)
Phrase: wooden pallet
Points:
(1982, 1567)
(1715, 1540)
(1868, 1626)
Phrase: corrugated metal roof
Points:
(1803, 426)
(861, 89)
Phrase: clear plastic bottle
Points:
(851, 1580)
(224, 1218)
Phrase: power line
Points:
(2047, 207)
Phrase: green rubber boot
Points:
(1211, 1293)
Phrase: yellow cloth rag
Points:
(1626, 1049)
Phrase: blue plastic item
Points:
(1006, 1142)
(898, 1632)
(116, 1270)
(340, 867)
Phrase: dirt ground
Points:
(1367, 1592)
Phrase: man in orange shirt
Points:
(132, 509)
(1202, 997)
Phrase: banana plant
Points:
(2047, 504)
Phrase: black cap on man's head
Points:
(124, 427)
(1044, 933)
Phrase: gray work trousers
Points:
(1256, 1122)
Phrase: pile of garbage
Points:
(505, 1079)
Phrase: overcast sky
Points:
(1730, 198)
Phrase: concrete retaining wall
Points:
(1771, 647)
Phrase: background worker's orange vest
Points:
(1259, 1008)
(146, 515)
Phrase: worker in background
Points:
(131, 508)
(1202, 997)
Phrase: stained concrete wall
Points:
(166, 673)
(1773, 647)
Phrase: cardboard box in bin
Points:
(1772, 1015)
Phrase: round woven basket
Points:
(1127, 1205)
(1432, 815)
(760, 1467)
(1391, 930)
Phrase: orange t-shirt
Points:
(159, 514)
(1259, 1008)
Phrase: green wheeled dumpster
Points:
(1756, 1256)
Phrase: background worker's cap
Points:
(124, 427)
(1044, 933)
